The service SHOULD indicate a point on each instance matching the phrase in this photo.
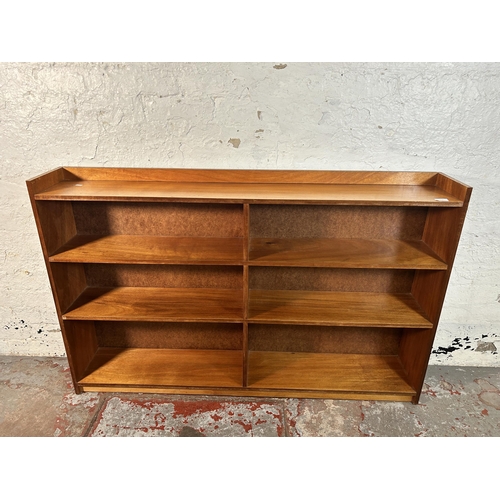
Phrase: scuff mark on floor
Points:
(187, 431)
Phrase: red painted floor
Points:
(37, 399)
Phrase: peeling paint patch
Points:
(235, 142)
(463, 350)
(458, 343)
(280, 66)
(444, 350)
(486, 346)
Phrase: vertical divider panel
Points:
(246, 231)
(246, 243)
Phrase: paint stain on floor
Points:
(194, 418)
(37, 399)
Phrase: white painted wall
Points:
(425, 117)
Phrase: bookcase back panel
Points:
(301, 338)
(319, 221)
(159, 219)
(169, 335)
(160, 276)
(329, 279)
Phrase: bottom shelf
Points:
(143, 368)
(272, 374)
(339, 373)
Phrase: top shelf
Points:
(263, 193)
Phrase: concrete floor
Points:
(37, 399)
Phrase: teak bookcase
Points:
(309, 284)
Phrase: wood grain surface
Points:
(165, 367)
(343, 253)
(395, 195)
(136, 249)
(397, 310)
(157, 304)
(334, 372)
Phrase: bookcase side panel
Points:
(57, 223)
(81, 346)
(442, 234)
(69, 281)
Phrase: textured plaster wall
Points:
(435, 117)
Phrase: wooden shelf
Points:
(157, 304)
(275, 371)
(164, 367)
(304, 252)
(346, 194)
(349, 373)
(343, 253)
(135, 249)
(398, 310)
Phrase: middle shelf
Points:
(300, 252)
(398, 310)
(157, 304)
(309, 307)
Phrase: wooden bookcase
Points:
(313, 284)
